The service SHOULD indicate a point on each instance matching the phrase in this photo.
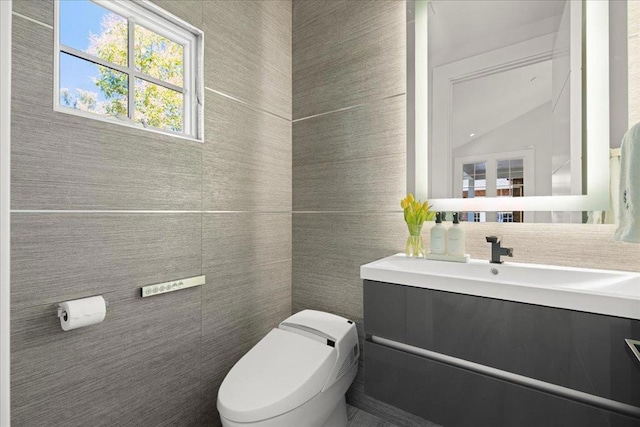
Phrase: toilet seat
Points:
(283, 371)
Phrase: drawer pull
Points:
(553, 389)
(634, 345)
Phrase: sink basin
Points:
(614, 293)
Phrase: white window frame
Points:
(153, 18)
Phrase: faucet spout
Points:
(497, 251)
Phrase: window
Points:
(130, 63)
(506, 217)
(474, 180)
(474, 184)
(510, 183)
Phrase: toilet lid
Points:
(280, 373)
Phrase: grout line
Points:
(253, 107)
(347, 212)
(115, 211)
(201, 287)
(99, 211)
(351, 107)
(32, 20)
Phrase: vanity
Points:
(482, 344)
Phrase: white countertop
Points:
(614, 293)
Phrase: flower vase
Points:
(415, 244)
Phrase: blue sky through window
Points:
(78, 20)
(76, 73)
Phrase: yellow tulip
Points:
(415, 211)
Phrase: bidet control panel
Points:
(175, 285)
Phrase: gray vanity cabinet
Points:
(580, 351)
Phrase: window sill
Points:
(121, 122)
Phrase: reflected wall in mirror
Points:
(499, 121)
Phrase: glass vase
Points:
(415, 244)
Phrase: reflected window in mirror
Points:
(474, 180)
(474, 184)
(507, 217)
(510, 181)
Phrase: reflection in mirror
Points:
(505, 105)
(505, 178)
(505, 76)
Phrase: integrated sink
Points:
(614, 293)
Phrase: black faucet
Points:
(497, 251)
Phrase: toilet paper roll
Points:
(82, 312)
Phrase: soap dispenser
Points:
(455, 237)
(438, 235)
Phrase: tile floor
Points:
(358, 418)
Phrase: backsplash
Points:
(572, 245)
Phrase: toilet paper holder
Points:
(62, 313)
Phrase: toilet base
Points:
(338, 417)
(313, 412)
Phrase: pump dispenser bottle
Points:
(438, 235)
(455, 237)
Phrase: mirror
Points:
(511, 108)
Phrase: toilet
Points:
(296, 376)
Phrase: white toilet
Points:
(296, 376)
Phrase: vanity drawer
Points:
(577, 350)
(455, 397)
(385, 310)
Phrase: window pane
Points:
(510, 183)
(503, 169)
(158, 57)
(93, 29)
(474, 180)
(517, 165)
(91, 87)
(158, 107)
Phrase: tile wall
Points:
(102, 209)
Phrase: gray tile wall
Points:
(348, 165)
(349, 156)
(349, 168)
(221, 208)
(346, 53)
